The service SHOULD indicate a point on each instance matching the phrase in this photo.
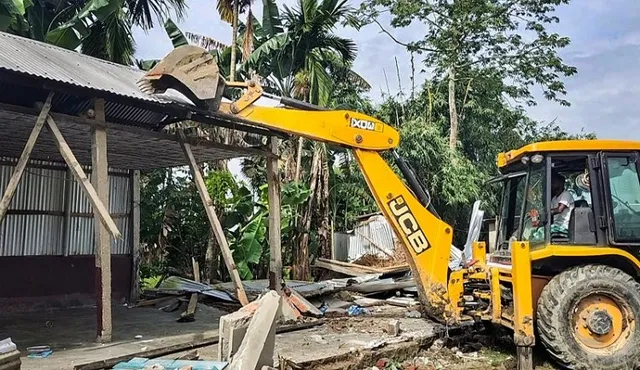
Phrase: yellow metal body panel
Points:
(352, 129)
(581, 251)
(426, 238)
(522, 294)
(564, 146)
(480, 253)
(496, 302)
(455, 290)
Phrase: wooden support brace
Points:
(24, 158)
(213, 220)
(275, 241)
(82, 179)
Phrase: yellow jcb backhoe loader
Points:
(568, 238)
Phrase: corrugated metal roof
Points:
(18, 54)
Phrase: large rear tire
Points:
(586, 318)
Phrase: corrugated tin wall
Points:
(353, 245)
(36, 224)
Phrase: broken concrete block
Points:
(393, 327)
(288, 312)
(258, 344)
(231, 332)
(301, 303)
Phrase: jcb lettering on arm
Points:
(408, 225)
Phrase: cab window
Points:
(510, 208)
(533, 227)
(624, 192)
(522, 209)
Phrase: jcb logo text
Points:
(363, 124)
(408, 224)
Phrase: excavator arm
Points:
(426, 238)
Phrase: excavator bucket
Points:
(192, 71)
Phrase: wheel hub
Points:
(600, 322)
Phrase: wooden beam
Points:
(275, 241)
(24, 158)
(81, 178)
(102, 242)
(213, 220)
(135, 236)
(111, 126)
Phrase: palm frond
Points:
(267, 50)
(205, 42)
(120, 42)
(271, 23)
(225, 8)
(143, 12)
(175, 34)
(347, 48)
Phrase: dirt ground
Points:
(443, 355)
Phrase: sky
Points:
(605, 48)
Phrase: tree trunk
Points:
(234, 40)
(453, 112)
(212, 259)
(296, 177)
(301, 268)
(324, 232)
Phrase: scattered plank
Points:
(301, 303)
(369, 302)
(190, 314)
(367, 269)
(339, 269)
(152, 302)
(402, 301)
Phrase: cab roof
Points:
(566, 146)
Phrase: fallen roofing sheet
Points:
(180, 284)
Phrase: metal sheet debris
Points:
(174, 284)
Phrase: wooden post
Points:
(135, 236)
(213, 219)
(24, 158)
(275, 241)
(100, 181)
(81, 178)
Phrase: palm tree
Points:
(300, 61)
(229, 11)
(100, 28)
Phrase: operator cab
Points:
(567, 193)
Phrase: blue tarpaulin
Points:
(140, 363)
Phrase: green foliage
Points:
(175, 34)
(508, 37)
(246, 221)
(100, 28)
(150, 282)
(297, 53)
(453, 180)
